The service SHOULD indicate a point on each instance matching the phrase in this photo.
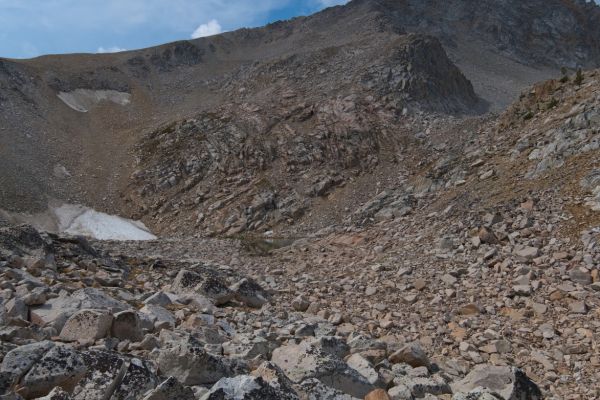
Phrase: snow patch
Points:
(79, 220)
(83, 100)
(76, 219)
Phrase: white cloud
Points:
(113, 49)
(211, 28)
(331, 3)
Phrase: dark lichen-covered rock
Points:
(138, 379)
(250, 293)
(188, 361)
(171, 389)
(60, 366)
(188, 282)
(246, 387)
(508, 382)
(104, 372)
(19, 360)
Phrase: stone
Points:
(35, 297)
(92, 298)
(188, 361)
(138, 378)
(171, 389)
(159, 317)
(60, 366)
(246, 347)
(19, 360)
(365, 368)
(16, 308)
(104, 372)
(522, 290)
(332, 345)
(578, 307)
(274, 376)
(247, 387)
(449, 279)
(510, 383)
(158, 299)
(314, 389)
(400, 392)
(87, 325)
(300, 303)
(211, 287)
(581, 276)
(527, 252)
(126, 325)
(55, 312)
(250, 293)
(477, 394)
(411, 354)
(304, 361)
(420, 387)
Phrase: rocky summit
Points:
(384, 200)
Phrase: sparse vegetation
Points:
(579, 77)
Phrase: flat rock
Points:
(510, 383)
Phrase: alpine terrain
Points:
(391, 199)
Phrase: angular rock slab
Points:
(246, 387)
(250, 293)
(191, 364)
(209, 286)
(138, 379)
(20, 360)
(303, 361)
(60, 366)
(104, 372)
(508, 382)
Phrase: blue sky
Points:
(29, 28)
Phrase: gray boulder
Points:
(138, 379)
(246, 387)
(18, 361)
(127, 325)
(104, 371)
(508, 382)
(188, 282)
(87, 325)
(304, 361)
(250, 293)
(60, 366)
(188, 361)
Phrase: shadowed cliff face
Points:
(538, 32)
